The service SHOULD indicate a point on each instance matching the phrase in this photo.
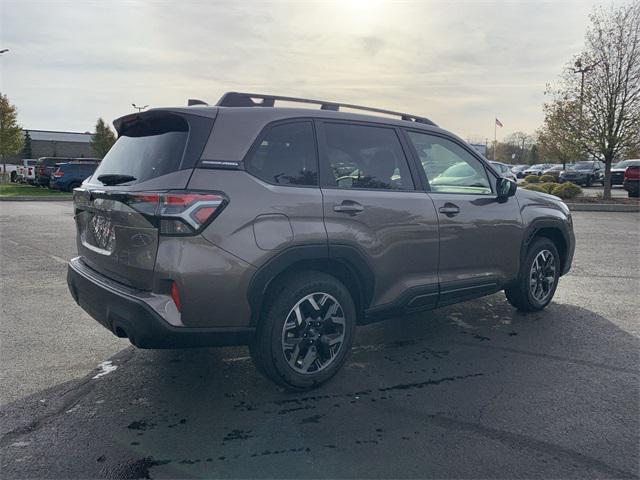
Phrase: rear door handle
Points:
(348, 206)
(449, 209)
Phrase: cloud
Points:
(459, 63)
(372, 44)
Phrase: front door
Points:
(371, 205)
(480, 236)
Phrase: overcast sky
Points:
(457, 62)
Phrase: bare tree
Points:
(601, 106)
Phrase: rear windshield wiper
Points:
(115, 178)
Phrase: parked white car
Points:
(29, 172)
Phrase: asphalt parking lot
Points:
(474, 390)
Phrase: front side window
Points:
(449, 167)
(366, 157)
(286, 155)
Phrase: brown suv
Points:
(284, 228)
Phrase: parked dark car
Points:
(617, 170)
(284, 228)
(45, 166)
(71, 175)
(632, 180)
(584, 173)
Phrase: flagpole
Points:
(495, 137)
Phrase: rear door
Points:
(372, 206)
(114, 210)
(480, 236)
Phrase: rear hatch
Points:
(116, 209)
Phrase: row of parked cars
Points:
(586, 173)
(54, 172)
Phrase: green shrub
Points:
(532, 179)
(548, 179)
(541, 187)
(548, 186)
(534, 187)
(566, 190)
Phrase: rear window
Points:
(86, 168)
(286, 155)
(147, 149)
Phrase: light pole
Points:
(139, 108)
(582, 69)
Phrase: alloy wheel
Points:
(313, 333)
(542, 276)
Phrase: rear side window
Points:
(86, 169)
(286, 155)
(361, 156)
(147, 149)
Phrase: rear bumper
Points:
(124, 313)
(631, 185)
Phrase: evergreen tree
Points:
(26, 148)
(103, 139)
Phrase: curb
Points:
(603, 207)
(44, 198)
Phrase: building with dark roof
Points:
(48, 143)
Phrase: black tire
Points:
(72, 185)
(268, 346)
(633, 194)
(520, 294)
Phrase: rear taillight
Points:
(179, 213)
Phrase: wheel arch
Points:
(554, 230)
(343, 262)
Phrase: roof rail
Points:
(238, 99)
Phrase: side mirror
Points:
(505, 188)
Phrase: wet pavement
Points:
(472, 390)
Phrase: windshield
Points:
(627, 163)
(582, 165)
